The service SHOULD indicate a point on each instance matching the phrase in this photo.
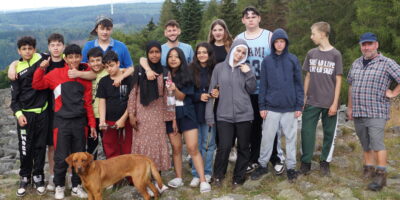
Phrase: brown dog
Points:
(99, 174)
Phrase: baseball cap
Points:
(101, 19)
(368, 37)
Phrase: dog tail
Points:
(156, 174)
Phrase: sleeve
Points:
(263, 86)
(394, 71)
(85, 50)
(306, 63)
(15, 104)
(101, 89)
(298, 84)
(40, 80)
(250, 82)
(88, 104)
(339, 64)
(132, 100)
(126, 58)
(210, 104)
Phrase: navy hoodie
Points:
(281, 88)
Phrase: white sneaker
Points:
(50, 185)
(79, 192)
(151, 193)
(41, 190)
(205, 187)
(195, 182)
(59, 194)
(279, 168)
(163, 188)
(175, 183)
(208, 178)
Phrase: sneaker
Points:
(195, 182)
(50, 185)
(292, 175)
(39, 184)
(208, 178)
(249, 169)
(175, 183)
(258, 173)
(162, 189)
(279, 168)
(79, 192)
(305, 168)
(150, 192)
(205, 187)
(59, 194)
(233, 155)
(217, 182)
(324, 168)
(23, 184)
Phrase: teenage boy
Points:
(30, 108)
(369, 78)
(172, 31)
(72, 112)
(324, 68)
(258, 40)
(103, 30)
(281, 102)
(113, 101)
(95, 62)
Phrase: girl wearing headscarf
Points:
(147, 111)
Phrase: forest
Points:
(348, 19)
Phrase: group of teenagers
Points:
(242, 93)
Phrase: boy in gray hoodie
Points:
(234, 113)
(280, 100)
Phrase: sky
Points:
(13, 5)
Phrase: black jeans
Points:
(227, 132)
(256, 135)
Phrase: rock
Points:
(321, 195)
(230, 197)
(126, 192)
(284, 185)
(341, 161)
(261, 197)
(251, 184)
(304, 185)
(4, 167)
(344, 193)
(290, 194)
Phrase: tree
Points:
(166, 12)
(208, 16)
(191, 20)
(273, 14)
(232, 17)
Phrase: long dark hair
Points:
(195, 66)
(183, 76)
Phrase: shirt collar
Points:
(96, 43)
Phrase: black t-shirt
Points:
(220, 53)
(54, 65)
(116, 97)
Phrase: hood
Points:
(237, 43)
(279, 34)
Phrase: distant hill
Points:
(75, 23)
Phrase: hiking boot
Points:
(292, 175)
(39, 184)
(324, 168)
(79, 192)
(369, 172)
(23, 184)
(260, 171)
(279, 168)
(379, 180)
(305, 168)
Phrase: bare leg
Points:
(176, 142)
(191, 140)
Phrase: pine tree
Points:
(166, 12)
(191, 20)
(208, 17)
(232, 17)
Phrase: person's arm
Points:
(87, 96)
(102, 114)
(87, 75)
(250, 78)
(151, 75)
(125, 73)
(394, 72)
(210, 104)
(333, 109)
(349, 111)
(15, 104)
(12, 71)
(40, 80)
(306, 84)
(393, 93)
(120, 123)
(298, 88)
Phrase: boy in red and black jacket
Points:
(72, 112)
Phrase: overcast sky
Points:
(11, 5)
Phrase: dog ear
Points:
(69, 159)
(90, 157)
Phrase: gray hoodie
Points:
(235, 88)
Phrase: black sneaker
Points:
(324, 168)
(305, 168)
(249, 169)
(216, 182)
(38, 181)
(292, 175)
(24, 182)
(259, 172)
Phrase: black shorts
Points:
(184, 124)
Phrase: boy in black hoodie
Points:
(280, 101)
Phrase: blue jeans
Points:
(207, 148)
